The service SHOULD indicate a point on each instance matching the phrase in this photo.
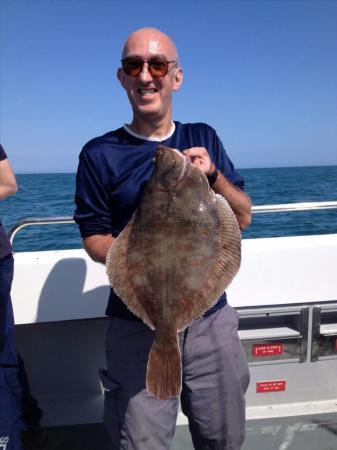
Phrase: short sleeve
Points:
(223, 163)
(92, 212)
(2, 153)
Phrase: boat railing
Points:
(261, 209)
(29, 221)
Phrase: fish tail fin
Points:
(163, 378)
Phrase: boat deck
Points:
(289, 433)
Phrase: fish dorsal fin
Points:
(226, 264)
(119, 277)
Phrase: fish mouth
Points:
(159, 154)
(162, 151)
(187, 162)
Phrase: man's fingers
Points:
(195, 151)
(199, 158)
(196, 161)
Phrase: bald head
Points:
(151, 41)
(150, 88)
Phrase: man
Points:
(112, 172)
(10, 389)
(18, 409)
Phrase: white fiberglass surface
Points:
(67, 285)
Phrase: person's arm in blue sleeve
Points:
(92, 210)
(8, 184)
(239, 201)
(229, 184)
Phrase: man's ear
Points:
(121, 77)
(178, 79)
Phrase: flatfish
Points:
(174, 259)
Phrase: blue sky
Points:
(262, 73)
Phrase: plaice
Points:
(174, 259)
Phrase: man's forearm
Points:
(7, 191)
(8, 184)
(97, 246)
(237, 199)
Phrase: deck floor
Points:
(291, 433)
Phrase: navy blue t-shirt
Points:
(112, 173)
(5, 246)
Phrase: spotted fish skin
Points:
(174, 259)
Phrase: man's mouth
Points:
(147, 91)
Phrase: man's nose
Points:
(145, 74)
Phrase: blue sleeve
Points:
(224, 164)
(92, 212)
(2, 153)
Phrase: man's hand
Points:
(201, 159)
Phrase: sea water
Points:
(51, 195)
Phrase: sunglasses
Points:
(157, 67)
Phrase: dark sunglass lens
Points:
(132, 66)
(158, 67)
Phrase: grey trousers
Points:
(215, 379)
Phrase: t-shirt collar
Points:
(147, 138)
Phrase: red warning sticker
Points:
(270, 386)
(336, 344)
(267, 349)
